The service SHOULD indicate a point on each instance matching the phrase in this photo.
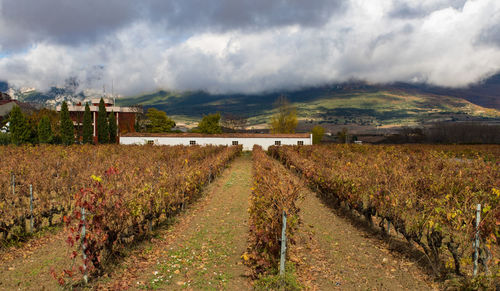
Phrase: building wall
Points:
(126, 122)
(6, 108)
(247, 143)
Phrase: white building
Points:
(248, 140)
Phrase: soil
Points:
(28, 267)
(335, 253)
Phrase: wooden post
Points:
(31, 208)
(13, 184)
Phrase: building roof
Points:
(2, 102)
(235, 135)
(6, 106)
(4, 96)
(81, 108)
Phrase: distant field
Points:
(334, 106)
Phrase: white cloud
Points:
(441, 42)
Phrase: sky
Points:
(246, 46)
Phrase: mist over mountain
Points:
(194, 104)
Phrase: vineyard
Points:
(125, 191)
(110, 198)
(275, 190)
(428, 194)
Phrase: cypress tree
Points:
(102, 124)
(19, 131)
(87, 125)
(112, 127)
(67, 128)
(44, 130)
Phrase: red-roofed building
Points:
(6, 104)
(125, 116)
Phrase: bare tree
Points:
(234, 122)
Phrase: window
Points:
(278, 142)
(300, 142)
(192, 142)
(150, 142)
(235, 142)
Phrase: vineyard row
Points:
(427, 195)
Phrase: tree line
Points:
(48, 127)
(449, 132)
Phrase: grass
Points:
(200, 258)
(206, 256)
(20, 237)
(274, 281)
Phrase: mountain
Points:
(354, 103)
(54, 96)
(486, 93)
(346, 104)
(70, 93)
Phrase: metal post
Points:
(31, 207)
(283, 246)
(85, 278)
(476, 243)
(13, 184)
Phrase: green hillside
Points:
(334, 105)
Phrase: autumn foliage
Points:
(275, 190)
(129, 198)
(428, 193)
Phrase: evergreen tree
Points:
(102, 124)
(112, 127)
(137, 125)
(88, 130)
(19, 131)
(67, 128)
(44, 130)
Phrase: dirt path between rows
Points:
(203, 249)
(336, 255)
(28, 267)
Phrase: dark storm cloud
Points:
(64, 21)
(417, 9)
(75, 22)
(490, 35)
(231, 14)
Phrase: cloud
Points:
(229, 46)
(418, 9)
